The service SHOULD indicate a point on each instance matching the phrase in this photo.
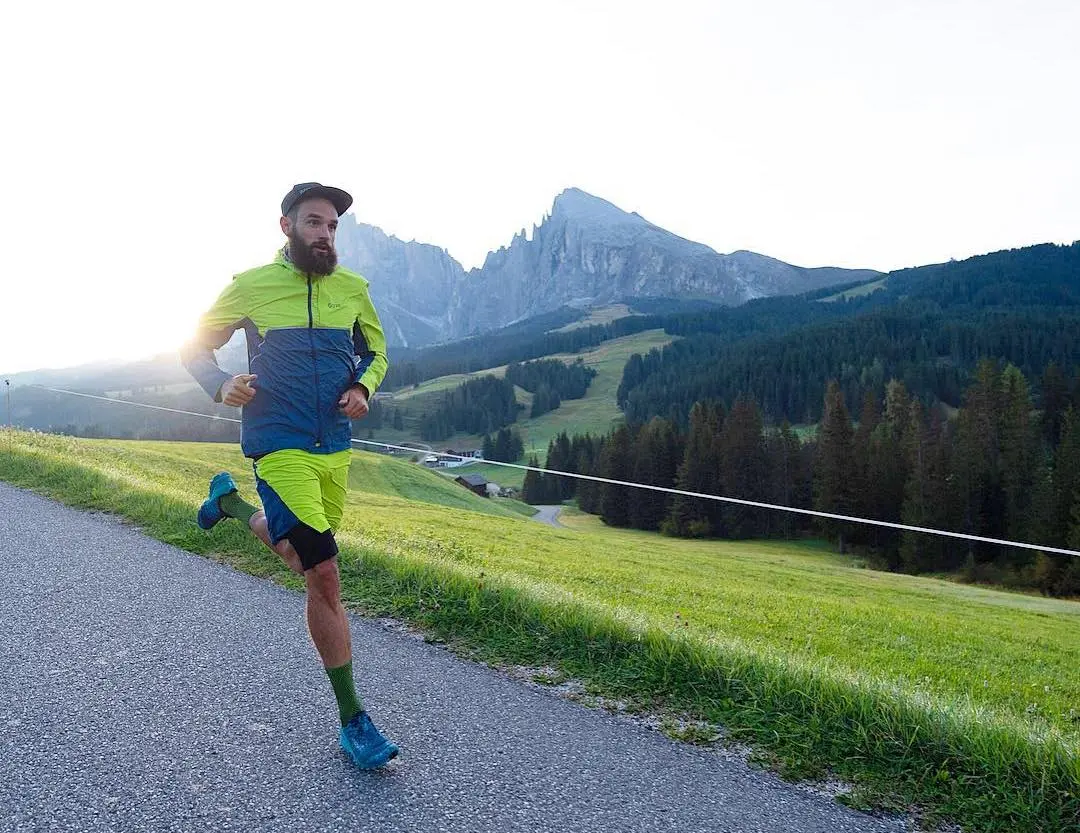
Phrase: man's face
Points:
(311, 236)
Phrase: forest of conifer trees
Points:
(995, 467)
(488, 403)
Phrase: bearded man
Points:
(316, 354)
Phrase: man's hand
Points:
(354, 402)
(238, 390)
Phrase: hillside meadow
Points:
(596, 412)
(959, 700)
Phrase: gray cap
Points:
(341, 200)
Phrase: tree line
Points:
(933, 353)
(995, 467)
(551, 381)
(928, 327)
(513, 344)
(478, 406)
(505, 445)
(487, 403)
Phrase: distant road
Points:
(144, 688)
(549, 515)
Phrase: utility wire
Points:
(665, 489)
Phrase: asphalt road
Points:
(144, 688)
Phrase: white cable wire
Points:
(665, 489)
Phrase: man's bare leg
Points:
(283, 548)
(327, 622)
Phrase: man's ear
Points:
(286, 226)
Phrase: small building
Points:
(452, 459)
(474, 483)
(431, 461)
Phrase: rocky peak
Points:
(582, 207)
(586, 252)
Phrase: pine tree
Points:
(926, 495)
(1064, 496)
(1054, 401)
(698, 472)
(977, 465)
(532, 490)
(835, 470)
(1066, 477)
(888, 468)
(744, 469)
(655, 455)
(866, 465)
(560, 458)
(615, 464)
(1018, 439)
(1069, 581)
(583, 450)
(1041, 515)
(589, 491)
(788, 478)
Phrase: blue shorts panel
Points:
(279, 517)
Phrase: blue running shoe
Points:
(364, 744)
(210, 513)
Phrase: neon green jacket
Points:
(308, 340)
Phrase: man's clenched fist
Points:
(238, 390)
(354, 402)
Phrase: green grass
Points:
(595, 413)
(503, 475)
(599, 315)
(524, 509)
(857, 292)
(958, 699)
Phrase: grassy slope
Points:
(958, 697)
(595, 413)
(857, 292)
(502, 475)
(599, 315)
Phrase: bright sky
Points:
(149, 145)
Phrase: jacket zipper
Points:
(314, 367)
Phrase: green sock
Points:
(236, 507)
(348, 703)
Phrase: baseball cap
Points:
(341, 200)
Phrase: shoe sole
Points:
(385, 755)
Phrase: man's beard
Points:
(309, 260)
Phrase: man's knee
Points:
(324, 576)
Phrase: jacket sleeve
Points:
(369, 345)
(215, 328)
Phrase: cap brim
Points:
(341, 200)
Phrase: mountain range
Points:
(585, 253)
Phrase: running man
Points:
(316, 354)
